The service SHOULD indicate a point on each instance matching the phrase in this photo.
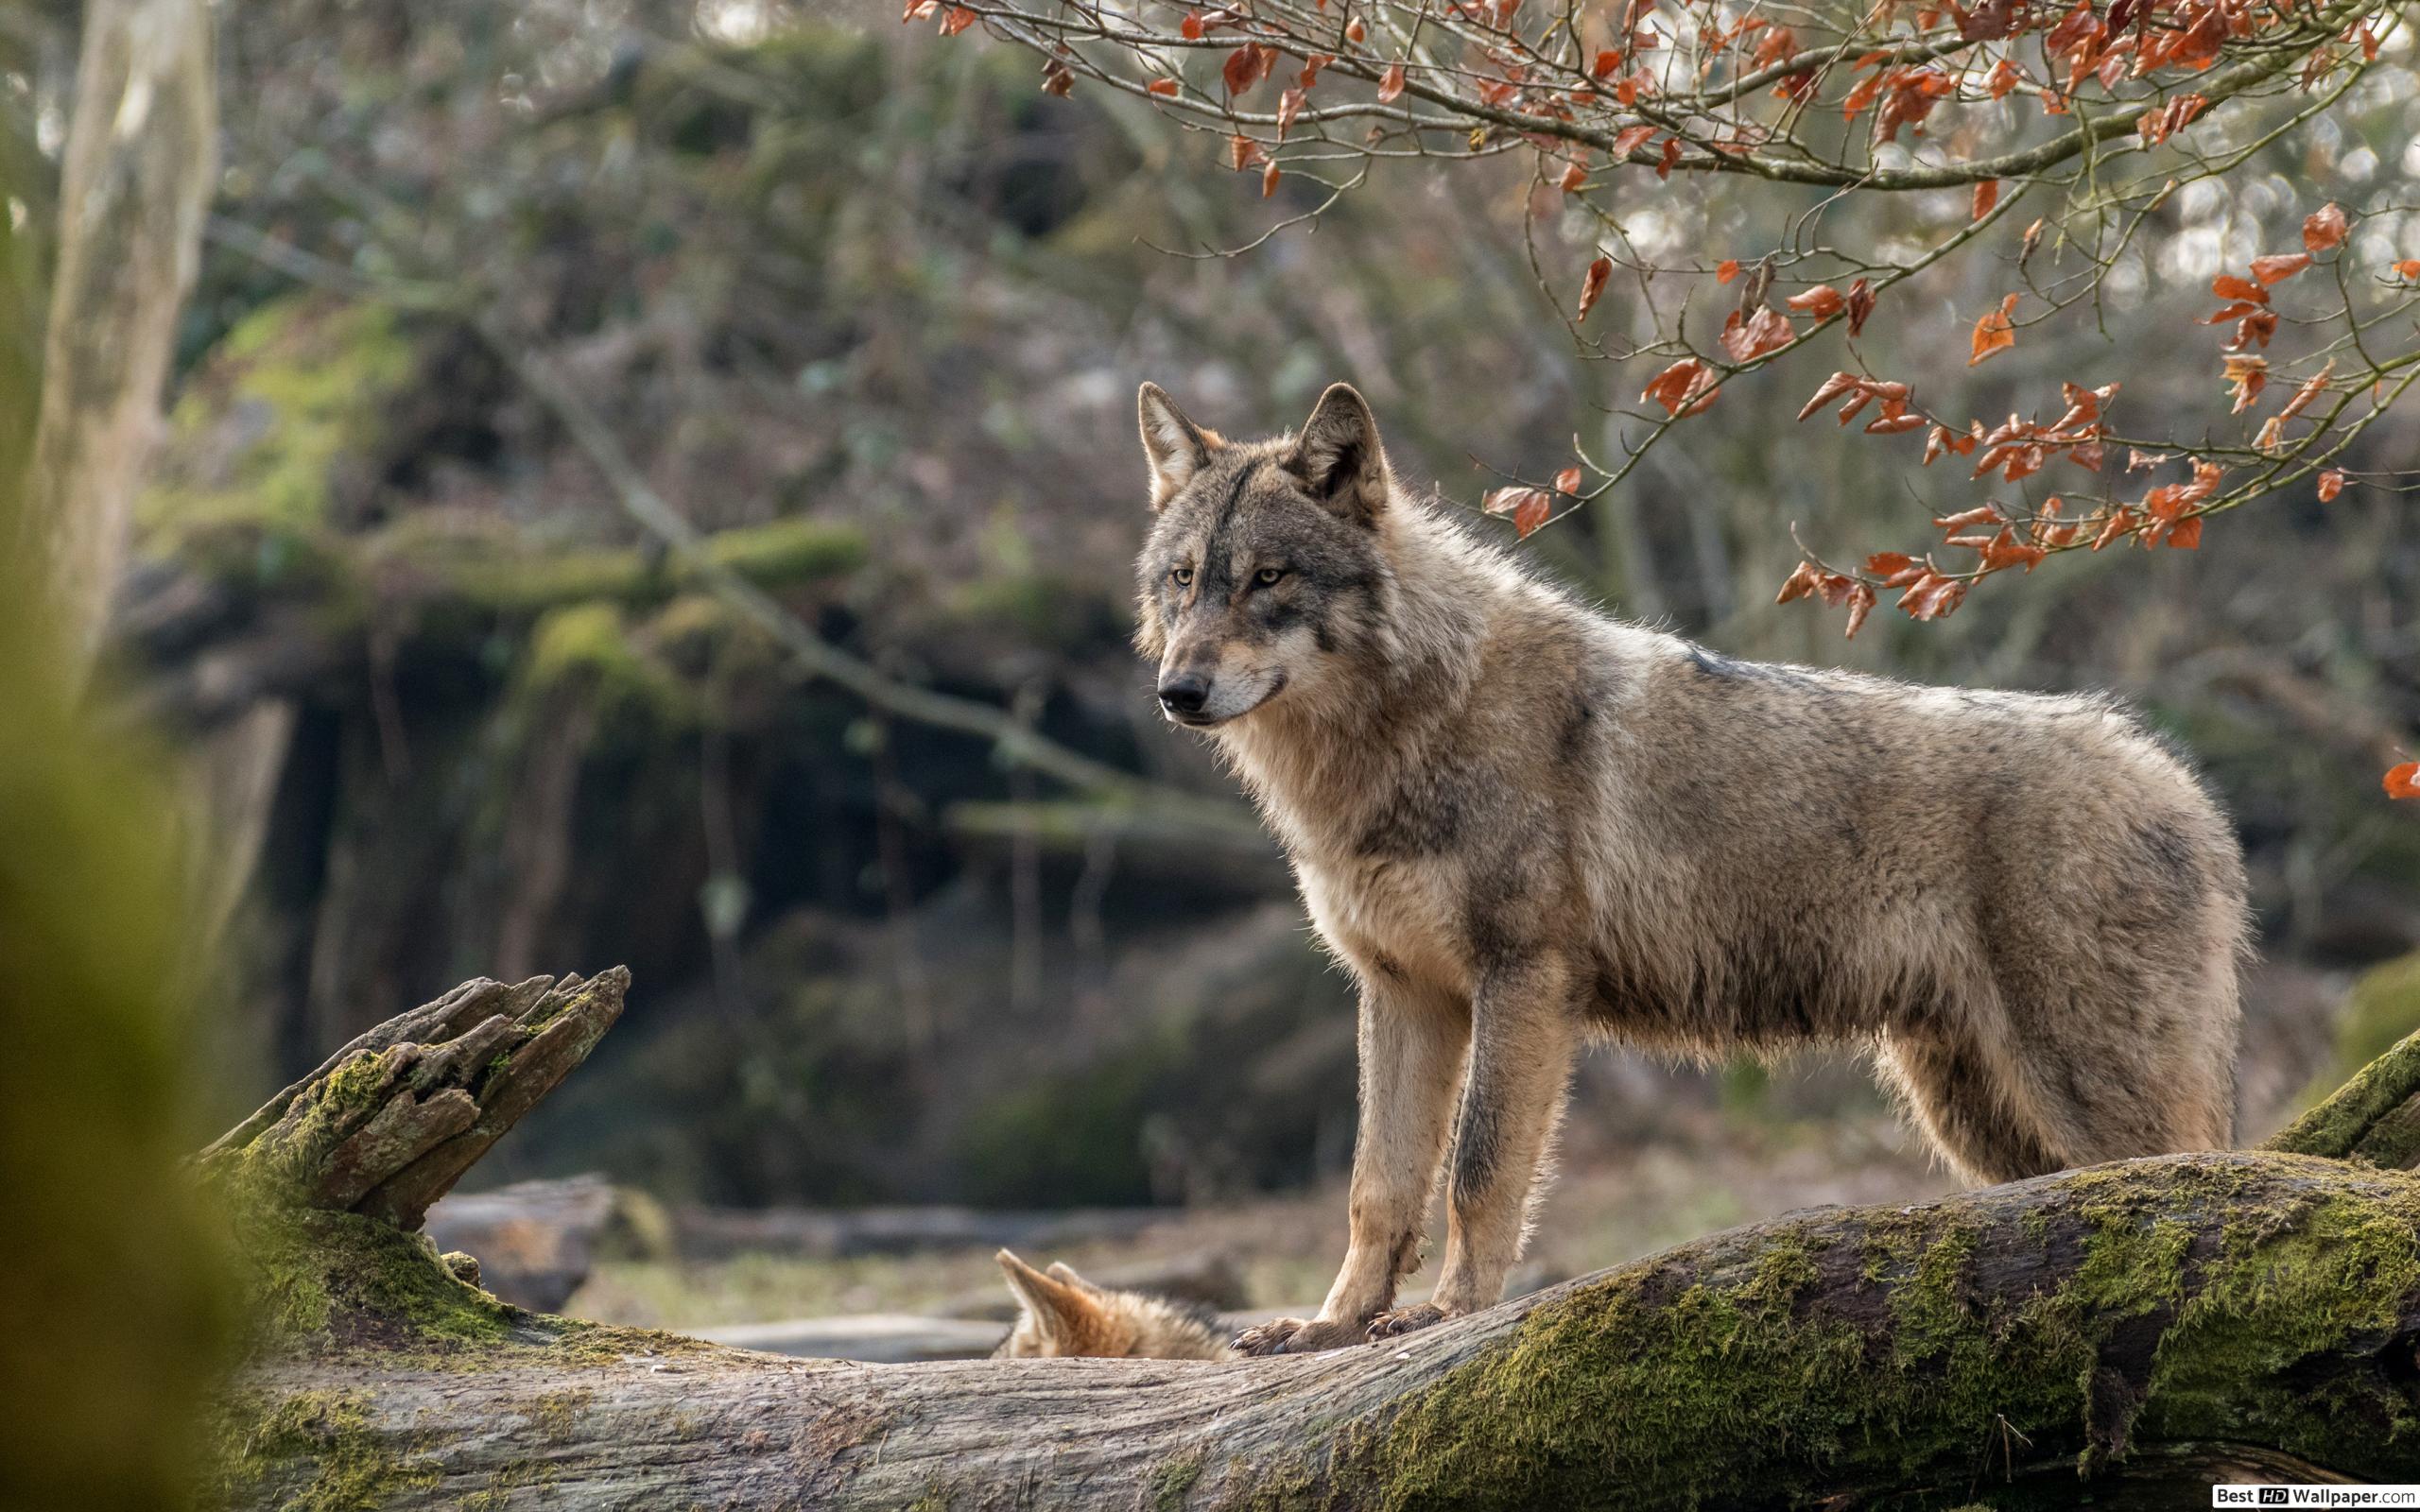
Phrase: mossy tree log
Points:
(2137, 1325)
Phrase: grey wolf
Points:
(1059, 1312)
(1523, 824)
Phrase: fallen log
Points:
(2142, 1325)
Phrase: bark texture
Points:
(141, 160)
(2138, 1325)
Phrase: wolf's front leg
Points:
(1522, 1043)
(1412, 1045)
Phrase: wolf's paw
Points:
(1404, 1320)
(1295, 1335)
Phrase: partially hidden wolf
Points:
(1058, 1314)
(1523, 824)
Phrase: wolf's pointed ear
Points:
(1175, 446)
(1338, 456)
(1060, 1312)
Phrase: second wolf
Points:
(1522, 824)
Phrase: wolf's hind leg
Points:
(1412, 1045)
(1965, 1093)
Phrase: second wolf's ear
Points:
(1175, 446)
(1061, 1312)
(1337, 456)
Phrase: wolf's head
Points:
(1264, 568)
(1060, 1313)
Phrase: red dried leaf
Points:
(1161, 86)
(1568, 481)
(1630, 139)
(1575, 176)
(1995, 332)
(2324, 229)
(1309, 76)
(1987, 194)
(1726, 271)
(1823, 301)
(1832, 387)
(1528, 507)
(1290, 105)
(1594, 285)
(1269, 181)
(1687, 387)
(1860, 302)
(2279, 267)
(1861, 605)
(1764, 331)
(956, 19)
(1391, 83)
(1247, 66)
(2331, 483)
(2404, 780)
(1190, 28)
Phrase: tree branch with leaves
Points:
(1880, 150)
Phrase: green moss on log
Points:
(1833, 1351)
(320, 1451)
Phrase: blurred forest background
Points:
(868, 308)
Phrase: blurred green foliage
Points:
(113, 1311)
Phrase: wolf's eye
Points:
(1183, 577)
(1267, 575)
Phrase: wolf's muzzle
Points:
(1184, 695)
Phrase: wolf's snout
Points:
(1184, 693)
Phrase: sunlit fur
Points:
(1506, 809)
(1059, 1312)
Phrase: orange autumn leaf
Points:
(1528, 507)
(1391, 83)
(2331, 483)
(1861, 605)
(1247, 66)
(2404, 780)
(2324, 229)
(1269, 181)
(1687, 387)
(1995, 332)
(1726, 271)
(956, 19)
(1860, 307)
(1594, 285)
(1987, 194)
(1568, 481)
(1823, 301)
(1575, 176)
(2279, 267)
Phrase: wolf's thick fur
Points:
(1522, 823)
(1059, 1312)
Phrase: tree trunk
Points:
(141, 162)
(2141, 1325)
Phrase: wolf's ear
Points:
(1175, 446)
(1337, 456)
(1061, 1312)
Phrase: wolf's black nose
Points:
(1185, 694)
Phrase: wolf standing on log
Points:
(1523, 824)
